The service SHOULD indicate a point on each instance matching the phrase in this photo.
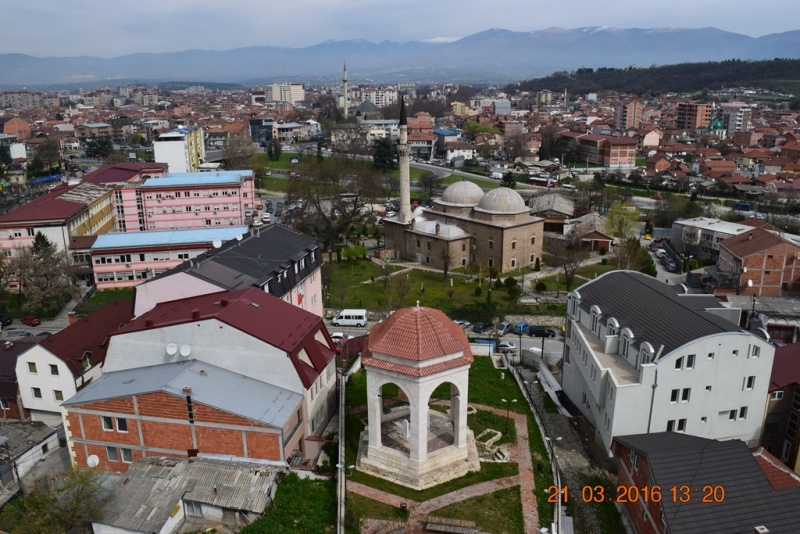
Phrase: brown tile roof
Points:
(122, 172)
(418, 334)
(779, 476)
(748, 243)
(785, 367)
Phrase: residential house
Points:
(277, 260)
(619, 152)
(89, 130)
(701, 236)
(10, 402)
(62, 364)
(16, 127)
(642, 356)
(759, 262)
(180, 381)
(702, 486)
(173, 491)
(780, 435)
(127, 259)
(555, 209)
(24, 445)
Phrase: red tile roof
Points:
(88, 334)
(779, 476)
(122, 172)
(254, 312)
(753, 242)
(418, 334)
(47, 207)
(785, 367)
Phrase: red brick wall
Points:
(175, 435)
(641, 479)
(13, 411)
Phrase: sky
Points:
(107, 29)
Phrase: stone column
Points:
(374, 413)
(458, 409)
(418, 444)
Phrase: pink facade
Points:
(186, 200)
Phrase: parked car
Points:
(671, 267)
(520, 328)
(338, 336)
(506, 346)
(540, 331)
(481, 326)
(462, 323)
(31, 320)
(504, 328)
(266, 218)
(5, 321)
(15, 334)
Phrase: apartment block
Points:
(693, 116)
(182, 149)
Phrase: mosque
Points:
(465, 226)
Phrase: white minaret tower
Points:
(404, 160)
(344, 81)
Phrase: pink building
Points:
(128, 259)
(186, 200)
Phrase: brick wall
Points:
(651, 522)
(165, 430)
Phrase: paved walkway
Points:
(520, 453)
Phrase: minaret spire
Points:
(405, 171)
(344, 81)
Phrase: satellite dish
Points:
(172, 349)
(92, 461)
(186, 350)
(749, 283)
(238, 237)
(217, 243)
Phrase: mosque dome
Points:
(502, 200)
(462, 193)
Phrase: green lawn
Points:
(582, 275)
(607, 513)
(274, 184)
(300, 505)
(499, 512)
(284, 162)
(106, 296)
(362, 507)
(484, 184)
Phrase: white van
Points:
(351, 318)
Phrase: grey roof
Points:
(552, 202)
(770, 306)
(659, 313)
(142, 498)
(23, 436)
(678, 459)
(254, 261)
(211, 385)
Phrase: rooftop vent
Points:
(187, 390)
(761, 529)
(195, 314)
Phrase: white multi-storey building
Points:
(701, 236)
(641, 356)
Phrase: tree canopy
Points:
(43, 273)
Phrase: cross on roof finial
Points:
(417, 304)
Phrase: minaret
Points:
(344, 81)
(405, 173)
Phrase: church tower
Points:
(344, 81)
(403, 153)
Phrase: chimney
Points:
(73, 317)
(9, 345)
(187, 390)
(749, 236)
(223, 302)
(761, 529)
(195, 314)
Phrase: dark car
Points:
(31, 320)
(540, 331)
(5, 321)
(481, 327)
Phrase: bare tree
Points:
(43, 274)
(402, 287)
(238, 151)
(567, 255)
(430, 183)
(446, 260)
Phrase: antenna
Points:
(186, 350)
(92, 461)
(217, 243)
(172, 349)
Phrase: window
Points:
(732, 415)
(671, 425)
(127, 455)
(690, 361)
(58, 395)
(32, 367)
(703, 419)
(710, 355)
(679, 364)
(708, 388)
(743, 412)
(681, 425)
(4, 404)
(776, 395)
(685, 394)
(736, 352)
(756, 351)
(113, 454)
(513, 245)
(786, 451)
(491, 244)
(419, 244)
(108, 424)
(122, 424)
(533, 240)
(674, 397)
(37, 393)
(31, 233)
(749, 382)
(463, 247)
(791, 426)
(53, 369)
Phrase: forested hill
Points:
(778, 74)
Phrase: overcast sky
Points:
(107, 29)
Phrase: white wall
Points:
(212, 341)
(174, 287)
(174, 153)
(29, 459)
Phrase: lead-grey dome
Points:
(462, 193)
(502, 200)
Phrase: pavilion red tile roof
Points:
(418, 334)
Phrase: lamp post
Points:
(508, 408)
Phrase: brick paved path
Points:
(520, 453)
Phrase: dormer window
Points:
(86, 359)
(612, 327)
(595, 310)
(627, 340)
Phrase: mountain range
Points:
(491, 56)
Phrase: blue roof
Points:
(45, 179)
(211, 385)
(174, 179)
(167, 237)
(444, 131)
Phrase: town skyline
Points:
(181, 25)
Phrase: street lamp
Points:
(508, 408)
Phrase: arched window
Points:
(595, 311)
(612, 327)
(627, 341)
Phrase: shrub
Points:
(510, 281)
(493, 272)
(602, 251)
(541, 287)
(478, 291)
(498, 284)
(604, 261)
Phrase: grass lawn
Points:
(300, 505)
(607, 513)
(362, 507)
(277, 185)
(484, 184)
(582, 275)
(499, 512)
(107, 296)
(284, 162)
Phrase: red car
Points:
(31, 320)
